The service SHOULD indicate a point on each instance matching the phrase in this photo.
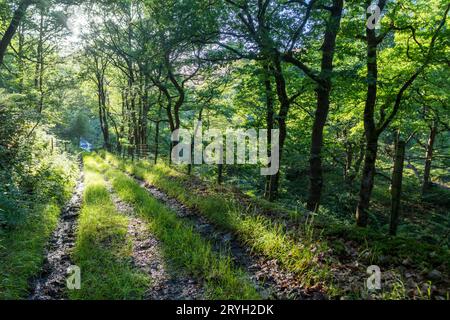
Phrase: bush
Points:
(36, 178)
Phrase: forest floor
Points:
(153, 233)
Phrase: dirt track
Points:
(50, 284)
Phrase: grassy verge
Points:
(25, 251)
(22, 244)
(103, 250)
(183, 247)
(259, 233)
(310, 250)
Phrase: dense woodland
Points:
(360, 96)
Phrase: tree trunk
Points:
(323, 105)
(357, 166)
(118, 137)
(14, 24)
(367, 181)
(158, 123)
(102, 109)
(157, 129)
(39, 76)
(219, 174)
(21, 56)
(282, 117)
(396, 188)
(370, 129)
(268, 192)
(196, 132)
(348, 161)
(429, 159)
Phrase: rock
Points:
(435, 275)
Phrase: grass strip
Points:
(103, 251)
(22, 246)
(259, 233)
(23, 254)
(183, 247)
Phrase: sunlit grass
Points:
(185, 248)
(103, 250)
(23, 253)
(23, 243)
(259, 233)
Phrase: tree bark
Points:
(14, 24)
(396, 187)
(367, 180)
(118, 136)
(219, 174)
(39, 76)
(102, 103)
(370, 128)
(21, 56)
(348, 161)
(323, 105)
(285, 104)
(269, 192)
(429, 159)
(158, 125)
(357, 166)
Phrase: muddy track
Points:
(50, 284)
(272, 281)
(165, 283)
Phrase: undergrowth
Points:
(32, 196)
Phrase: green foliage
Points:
(154, 66)
(22, 250)
(35, 182)
(35, 175)
(31, 199)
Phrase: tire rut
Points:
(146, 256)
(270, 279)
(50, 284)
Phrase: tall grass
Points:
(23, 251)
(30, 216)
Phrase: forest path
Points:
(267, 277)
(165, 284)
(51, 284)
(271, 281)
